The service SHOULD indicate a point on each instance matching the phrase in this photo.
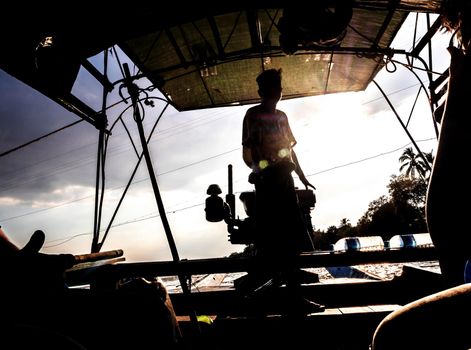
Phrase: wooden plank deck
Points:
(354, 307)
(334, 293)
(335, 328)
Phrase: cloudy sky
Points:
(348, 146)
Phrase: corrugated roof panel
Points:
(217, 58)
(167, 46)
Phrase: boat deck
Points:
(335, 328)
(353, 306)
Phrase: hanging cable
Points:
(40, 138)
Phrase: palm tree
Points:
(414, 164)
(410, 163)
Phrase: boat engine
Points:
(242, 231)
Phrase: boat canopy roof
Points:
(204, 54)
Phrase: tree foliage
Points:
(401, 211)
(414, 164)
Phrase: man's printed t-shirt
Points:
(268, 135)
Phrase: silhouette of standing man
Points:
(280, 230)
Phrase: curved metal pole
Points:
(404, 126)
(136, 167)
(410, 68)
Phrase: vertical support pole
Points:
(230, 198)
(134, 94)
(100, 168)
(98, 189)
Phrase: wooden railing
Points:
(114, 272)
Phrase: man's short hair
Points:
(269, 79)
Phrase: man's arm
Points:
(247, 156)
(246, 149)
(300, 172)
